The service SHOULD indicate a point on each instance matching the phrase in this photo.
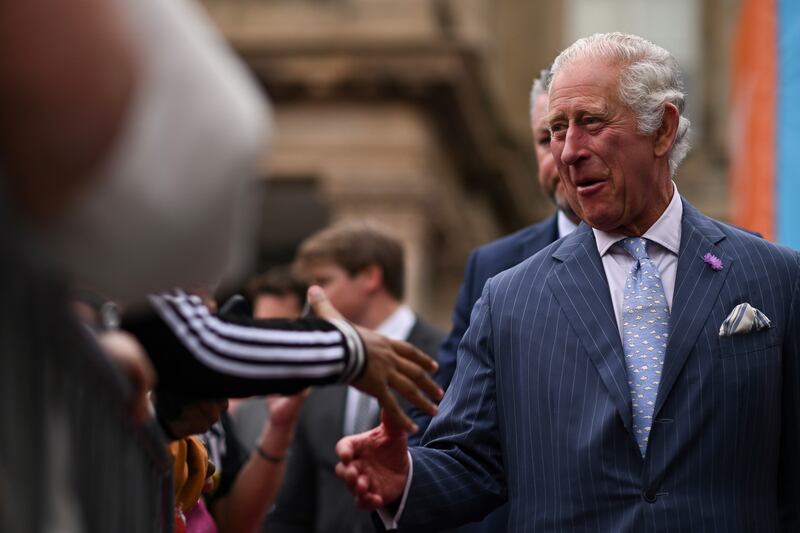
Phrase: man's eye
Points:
(557, 130)
(543, 141)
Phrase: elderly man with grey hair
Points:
(640, 374)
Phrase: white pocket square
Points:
(744, 319)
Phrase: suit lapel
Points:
(580, 286)
(696, 290)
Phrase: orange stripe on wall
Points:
(752, 173)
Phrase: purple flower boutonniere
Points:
(714, 262)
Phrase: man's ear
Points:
(373, 277)
(665, 134)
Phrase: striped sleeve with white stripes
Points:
(311, 349)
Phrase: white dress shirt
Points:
(664, 238)
(396, 326)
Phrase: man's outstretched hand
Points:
(391, 364)
(375, 464)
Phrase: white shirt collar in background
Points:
(399, 324)
(565, 225)
(396, 326)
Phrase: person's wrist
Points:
(269, 457)
(275, 442)
(275, 426)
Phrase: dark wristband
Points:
(274, 459)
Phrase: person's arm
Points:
(234, 356)
(296, 503)
(242, 510)
(208, 355)
(68, 71)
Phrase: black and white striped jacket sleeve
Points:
(202, 354)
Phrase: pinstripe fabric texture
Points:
(483, 263)
(539, 412)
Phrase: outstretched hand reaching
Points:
(391, 365)
(375, 464)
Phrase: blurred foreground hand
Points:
(124, 350)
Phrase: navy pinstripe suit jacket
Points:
(539, 410)
(483, 263)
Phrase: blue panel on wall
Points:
(787, 122)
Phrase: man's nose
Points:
(573, 146)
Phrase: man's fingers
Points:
(410, 392)
(407, 351)
(419, 377)
(390, 426)
(321, 306)
(349, 474)
(340, 469)
(369, 502)
(393, 410)
(345, 449)
(362, 485)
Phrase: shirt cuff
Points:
(390, 521)
(357, 361)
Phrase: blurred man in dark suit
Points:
(361, 269)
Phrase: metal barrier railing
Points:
(70, 461)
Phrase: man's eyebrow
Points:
(600, 111)
(553, 116)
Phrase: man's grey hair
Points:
(539, 87)
(649, 78)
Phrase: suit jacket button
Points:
(650, 495)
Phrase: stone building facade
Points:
(414, 113)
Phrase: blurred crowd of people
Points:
(128, 147)
(129, 142)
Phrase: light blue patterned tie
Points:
(645, 328)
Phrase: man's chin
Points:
(563, 206)
(601, 221)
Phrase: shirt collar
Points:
(565, 225)
(666, 231)
(398, 325)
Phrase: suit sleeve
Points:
(789, 460)
(200, 354)
(449, 347)
(458, 474)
